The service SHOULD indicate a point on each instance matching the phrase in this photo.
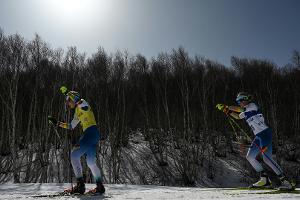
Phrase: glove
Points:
(64, 90)
(52, 120)
(222, 107)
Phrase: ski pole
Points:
(69, 142)
(231, 121)
(56, 132)
(53, 122)
(232, 126)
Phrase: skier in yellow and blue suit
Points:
(87, 142)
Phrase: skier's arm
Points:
(64, 125)
(71, 125)
(233, 111)
(235, 115)
(236, 109)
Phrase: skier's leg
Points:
(87, 140)
(91, 162)
(266, 148)
(254, 150)
(267, 157)
(90, 139)
(75, 160)
(251, 156)
(76, 164)
(266, 143)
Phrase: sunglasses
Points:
(240, 101)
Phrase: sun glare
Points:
(72, 8)
(78, 12)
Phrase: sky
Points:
(215, 29)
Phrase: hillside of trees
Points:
(169, 99)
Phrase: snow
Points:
(148, 192)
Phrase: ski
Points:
(56, 195)
(273, 190)
(256, 188)
(66, 194)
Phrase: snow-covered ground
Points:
(118, 192)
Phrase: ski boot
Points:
(285, 184)
(98, 190)
(79, 188)
(264, 182)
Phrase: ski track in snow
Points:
(136, 192)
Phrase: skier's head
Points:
(72, 97)
(243, 99)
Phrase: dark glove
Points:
(52, 120)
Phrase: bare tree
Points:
(15, 62)
(296, 58)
